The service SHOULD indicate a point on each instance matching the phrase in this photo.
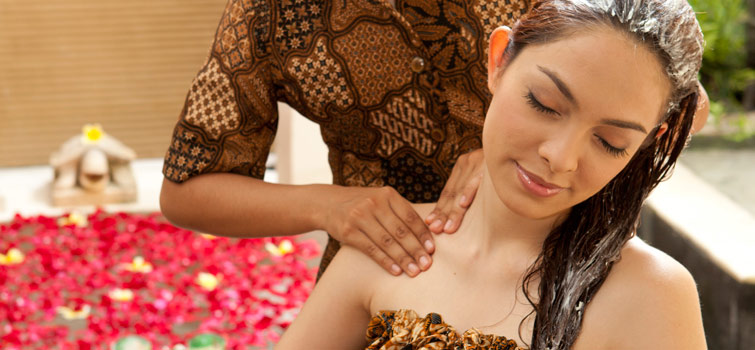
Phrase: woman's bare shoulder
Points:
(337, 311)
(642, 265)
(423, 209)
(647, 297)
(349, 262)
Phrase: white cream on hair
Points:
(667, 20)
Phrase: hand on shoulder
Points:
(648, 298)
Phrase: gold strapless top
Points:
(404, 329)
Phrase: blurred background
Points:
(127, 65)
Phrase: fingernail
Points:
(463, 200)
(424, 262)
(430, 217)
(436, 224)
(448, 226)
(396, 269)
(413, 269)
(428, 245)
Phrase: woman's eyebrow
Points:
(624, 124)
(560, 85)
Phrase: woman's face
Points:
(567, 116)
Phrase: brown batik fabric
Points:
(404, 329)
(399, 93)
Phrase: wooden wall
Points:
(124, 64)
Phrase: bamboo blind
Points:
(124, 64)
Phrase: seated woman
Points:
(592, 104)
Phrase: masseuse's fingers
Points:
(400, 233)
(382, 224)
(437, 219)
(381, 236)
(360, 240)
(458, 193)
(703, 109)
(409, 230)
(360, 230)
(458, 210)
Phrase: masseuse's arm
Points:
(336, 314)
(377, 221)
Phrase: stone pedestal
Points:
(123, 191)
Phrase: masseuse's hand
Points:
(383, 225)
(458, 193)
(703, 109)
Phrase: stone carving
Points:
(92, 169)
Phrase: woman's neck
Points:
(492, 229)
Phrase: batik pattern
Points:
(376, 58)
(211, 105)
(403, 122)
(321, 78)
(404, 329)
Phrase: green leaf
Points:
(207, 341)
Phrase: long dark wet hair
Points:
(578, 254)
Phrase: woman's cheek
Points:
(599, 174)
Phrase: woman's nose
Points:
(561, 151)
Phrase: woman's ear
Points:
(499, 40)
(661, 130)
(650, 139)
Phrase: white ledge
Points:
(26, 191)
(718, 226)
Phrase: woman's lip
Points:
(535, 184)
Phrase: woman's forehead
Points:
(603, 70)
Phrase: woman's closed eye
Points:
(614, 151)
(537, 105)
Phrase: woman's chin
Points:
(532, 210)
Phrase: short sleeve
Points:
(229, 117)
